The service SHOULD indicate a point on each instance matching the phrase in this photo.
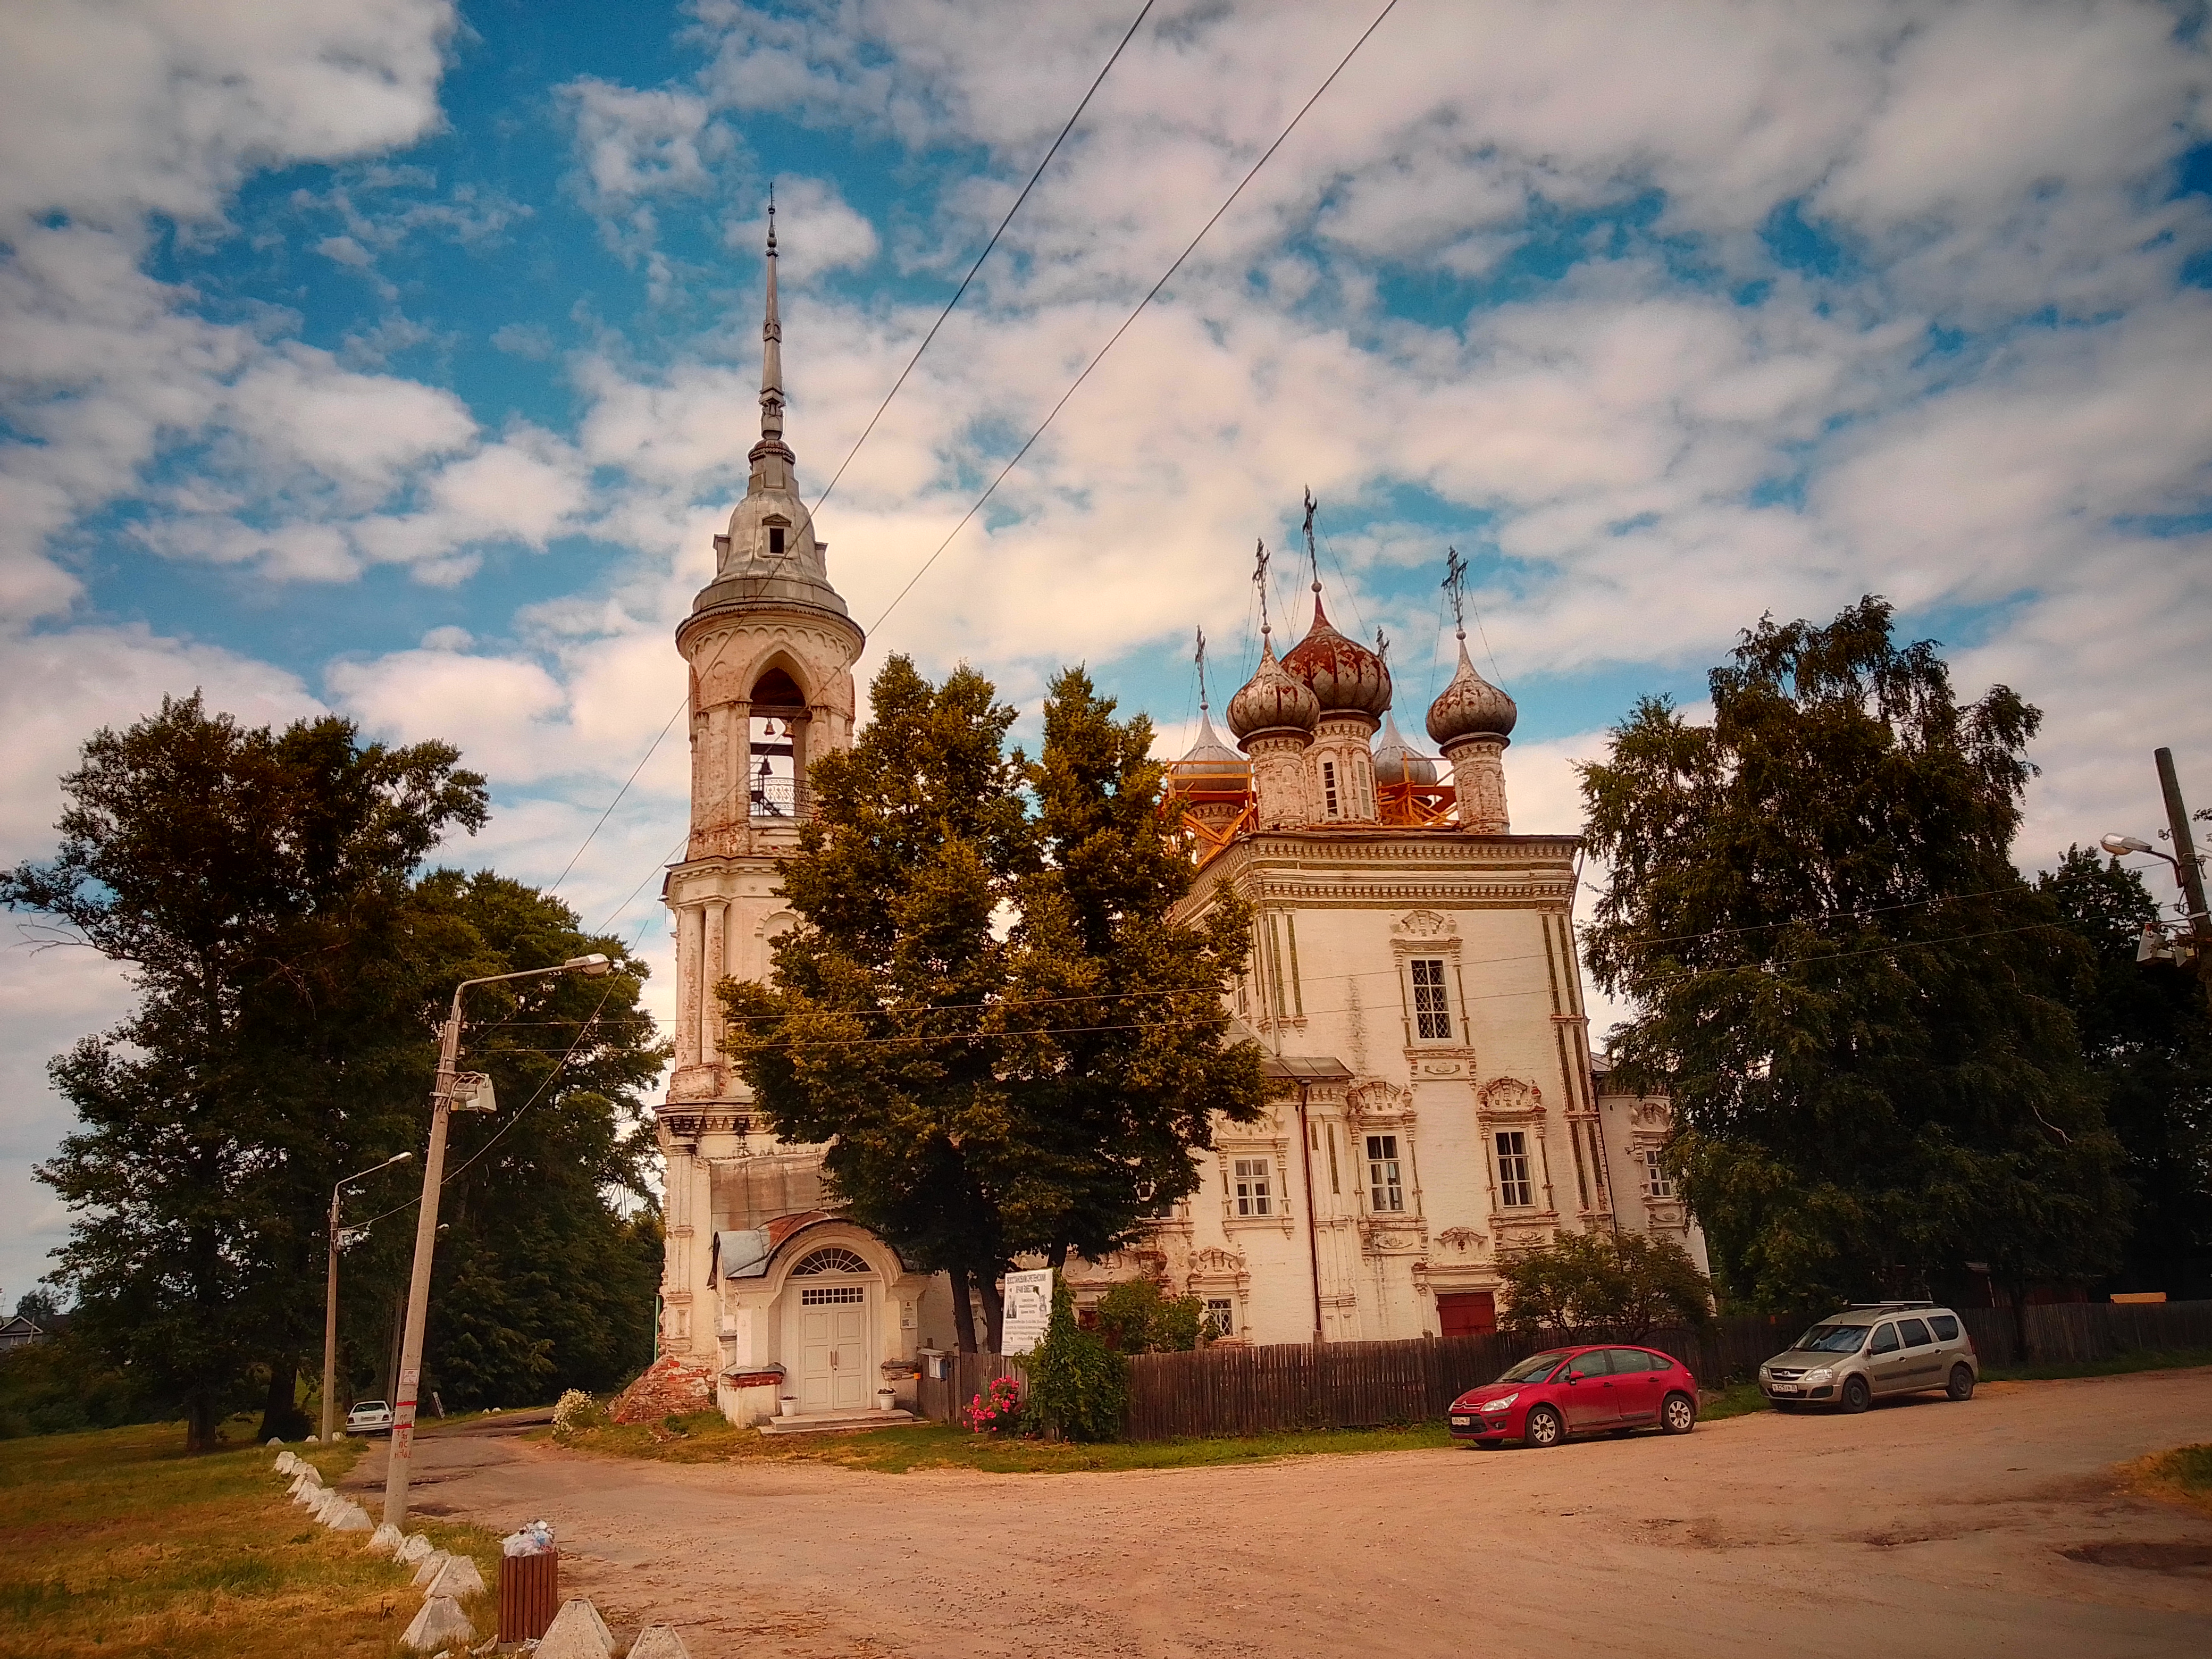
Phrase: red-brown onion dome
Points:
(1344, 675)
(1396, 761)
(1272, 701)
(1470, 706)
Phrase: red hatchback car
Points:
(1583, 1390)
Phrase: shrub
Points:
(1078, 1387)
(1135, 1317)
(576, 1410)
(1625, 1285)
(997, 1409)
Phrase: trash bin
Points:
(529, 1594)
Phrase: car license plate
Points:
(1462, 1422)
(1782, 1387)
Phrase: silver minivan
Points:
(1871, 1349)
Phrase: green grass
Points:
(116, 1542)
(2181, 1476)
(2147, 1359)
(1737, 1400)
(706, 1438)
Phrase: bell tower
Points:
(770, 650)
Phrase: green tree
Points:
(2149, 1040)
(987, 1014)
(1598, 1284)
(289, 969)
(1137, 1317)
(1856, 1001)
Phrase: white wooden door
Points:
(849, 1369)
(837, 1356)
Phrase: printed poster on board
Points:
(1028, 1310)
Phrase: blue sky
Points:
(399, 359)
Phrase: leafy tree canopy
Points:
(1856, 1003)
(290, 967)
(988, 1013)
(1137, 1317)
(2148, 1041)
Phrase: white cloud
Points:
(817, 230)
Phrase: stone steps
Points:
(838, 1423)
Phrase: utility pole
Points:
(331, 1292)
(401, 1464)
(2186, 866)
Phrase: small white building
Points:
(1413, 978)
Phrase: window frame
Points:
(1252, 1188)
(1385, 1176)
(1524, 1181)
(1436, 992)
(1658, 1185)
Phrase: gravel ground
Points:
(1922, 1527)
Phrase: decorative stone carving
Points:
(1425, 924)
(1376, 1099)
(1509, 1097)
(1211, 1261)
(1651, 1114)
(1461, 1239)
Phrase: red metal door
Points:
(1466, 1313)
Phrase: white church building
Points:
(1413, 978)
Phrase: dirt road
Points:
(1920, 1528)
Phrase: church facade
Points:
(1412, 977)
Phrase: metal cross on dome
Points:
(1454, 583)
(1202, 668)
(1259, 581)
(1312, 557)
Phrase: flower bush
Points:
(575, 1412)
(997, 1410)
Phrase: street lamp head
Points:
(398, 1157)
(595, 966)
(2116, 845)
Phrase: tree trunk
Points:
(994, 1308)
(201, 1421)
(963, 1313)
(280, 1416)
(281, 1413)
(1056, 1258)
(2019, 1287)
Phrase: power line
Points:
(1389, 7)
(980, 258)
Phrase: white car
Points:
(369, 1416)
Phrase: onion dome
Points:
(1470, 706)
(1397, 762)
(1272, 701)
(1344, 675)
(1209, 756)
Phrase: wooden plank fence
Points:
(1232, 1389)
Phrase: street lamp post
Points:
(399, 1465)
(2187, 862)
(331, 1292)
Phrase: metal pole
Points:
(398, 1466)
(2185, 865)
(330, 1320)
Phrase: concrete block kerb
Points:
(659, 1641)
(441, 1624)
(577, 1632)
(433, 1565)
(458, 1577)
(417, 1548)
(346, 1516)
(385, 1539)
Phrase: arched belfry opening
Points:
(782, 725)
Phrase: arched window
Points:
(833, 1260)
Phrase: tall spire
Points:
(771, 396)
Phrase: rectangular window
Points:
(1432, 1009)
(1385, 1191)
(775, 540)
(1253, 1191)
(1275, 965)
(1298, 990)
(827, 1295)
(1515, 1191)
(1328, 789)
(1657, 1183)
(1221, 1315)
(1333, 1186)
